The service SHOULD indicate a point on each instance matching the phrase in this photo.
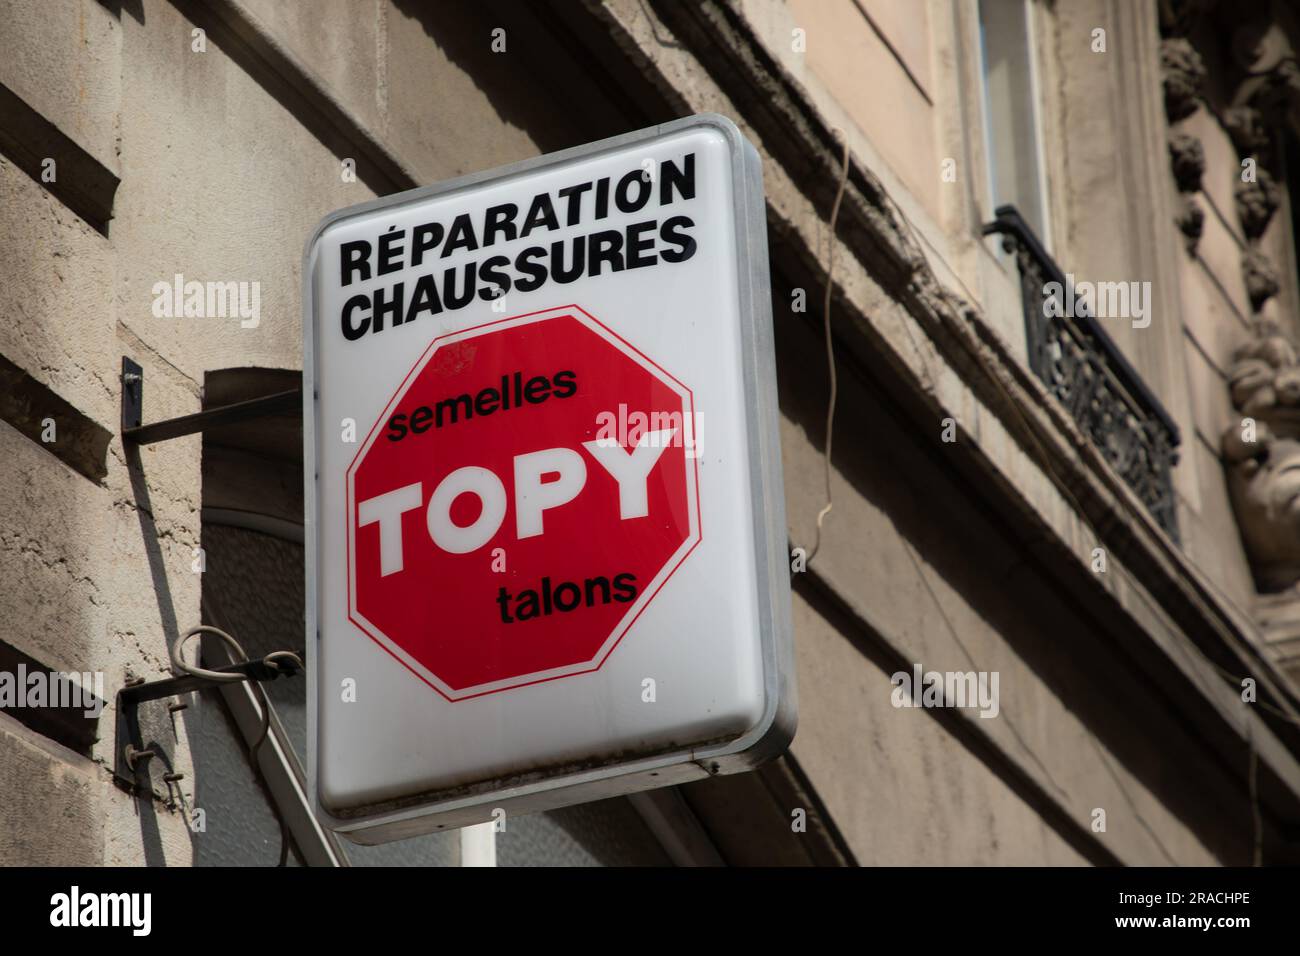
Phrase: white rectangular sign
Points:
(545, 527)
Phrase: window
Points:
(1012, 138)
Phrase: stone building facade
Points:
(1066, 441)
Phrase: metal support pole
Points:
(139, 434)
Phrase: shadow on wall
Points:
(536, 73)
(151, 839)
(133, 8)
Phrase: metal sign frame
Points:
(771, 736)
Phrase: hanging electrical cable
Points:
(830, 346)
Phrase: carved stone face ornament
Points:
(1264, 473)
(1266, 495)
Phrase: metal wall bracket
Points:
(134, 431)
(132, 754)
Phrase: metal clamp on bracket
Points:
(132, 755)
(139, 434)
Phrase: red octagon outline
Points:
(695, 533)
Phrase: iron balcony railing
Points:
(1085, 370)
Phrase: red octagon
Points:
(525, 494)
